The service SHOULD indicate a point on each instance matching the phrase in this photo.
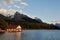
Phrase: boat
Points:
(2, 31)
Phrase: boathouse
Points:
(14, 28)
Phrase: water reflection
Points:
(18, 35)
(10, 36)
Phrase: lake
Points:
(31, 35)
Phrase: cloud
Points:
(24, 3)
(4, 2)
(7, 12)
(9, 1)
(17, 6)
(14, 2)
(3, 12)
(12, 10)
(18, 0)
(1, 7)
(55, 21)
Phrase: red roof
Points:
(12, 27)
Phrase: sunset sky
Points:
(47, 10)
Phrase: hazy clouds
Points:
(8, 6)
(56, 21)
(14, 2)
(7, 12)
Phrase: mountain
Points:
(4, 17)
(21, 17)
(58, 25)
(37, 19)
(18, 17)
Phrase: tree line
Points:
(27, 25)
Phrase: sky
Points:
(47, 10)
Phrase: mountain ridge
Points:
(20, 17)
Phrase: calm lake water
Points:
(31, 35)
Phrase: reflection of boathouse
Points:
(14, 28)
